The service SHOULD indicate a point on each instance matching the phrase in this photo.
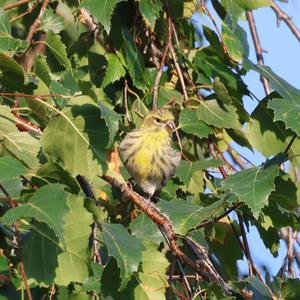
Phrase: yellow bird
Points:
(147, 154)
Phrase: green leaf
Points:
(7, 42)
(253, 4)
(42, 70)
(189, 123)
(40, 254)
(144, 228)
(191, 175)
(73, 262)
(51, 22)
(54, 173)
(57, 48)
(291, 289)
(253, 186)
(213, 114)
(103, 13)
(235, 40)
(9, 69)
(84, 137)
(267, 136)
(258, 286)
(47, 205)
(286, 109)
(126, 249)
(150, 10)
(4, 24)
(21, 145)
(112, 121)
(93, 283)
(152, 279)
(135, 62)
(186, 216)
(114, 70)
(10, 172)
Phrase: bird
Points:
(147, 153)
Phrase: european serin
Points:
(147, 154)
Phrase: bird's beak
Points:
(171, 125)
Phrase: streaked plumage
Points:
(147, 153)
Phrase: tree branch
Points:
(149, 209)
(258, 49)
(17, 4)
(162, 64)
(281, 15)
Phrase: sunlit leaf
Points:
(253, 186)
(104, 13)
(83, 137)
(73, 262)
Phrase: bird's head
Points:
(159, 119)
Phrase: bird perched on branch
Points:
(147, 154)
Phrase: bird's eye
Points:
(157, 120)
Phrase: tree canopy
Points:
(75, 77)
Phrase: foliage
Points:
(75, 77)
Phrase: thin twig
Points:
(178, 70)
(33, 28)
(28, 11)
(34, 96)
(281, 15)
(258, 49)
(17, 4)
(290, 143)
(214, 220)
(126, 99)
(19, 244)
(161, 67)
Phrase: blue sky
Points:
(283, 56)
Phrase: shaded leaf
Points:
(144, 228)
(126, 249)
(259, 287)
(93, 283)
(189, 123)
(135, 62)
(47, 205)
(57, 48)
(40, 254)
(9, 68)
(185, 215)
(10, 172)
